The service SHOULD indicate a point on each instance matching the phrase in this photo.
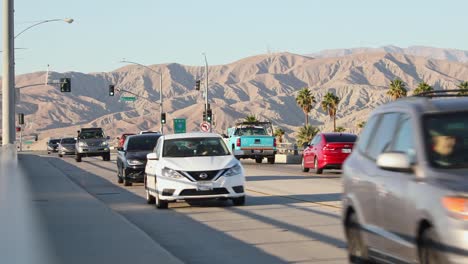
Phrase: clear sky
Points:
(156, 31)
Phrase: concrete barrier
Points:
(288, 159)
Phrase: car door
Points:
(369, 182)
(151, 165)
(121, 157)
(394, 199)
(309, 153)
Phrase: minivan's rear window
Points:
(342, 138)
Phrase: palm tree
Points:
(306, 134)
(251, 118)
(463, 86)
(397, 89)
(361, 124)
(340, 129)
(423, 87)
(306, 101)
(330, 105)
(279, 133)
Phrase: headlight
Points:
(457, 206)
(104, 144)
(234, 171)
(135, 162)
(170, 173)
(82, 144)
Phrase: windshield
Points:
(251, 131)
(91, 134)
(194, 147)
(68, 141)
(142, 143)
(340, 138)
(54, 141)
(446, 137)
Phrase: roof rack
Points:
(444, 93)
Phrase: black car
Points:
(52, 145)
(131, 158)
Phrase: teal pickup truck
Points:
(252, 140)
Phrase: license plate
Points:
(204, 186)
(258, 151)
(346, 150)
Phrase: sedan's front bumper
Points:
(135, 173)
(183, 189)
(93, 151)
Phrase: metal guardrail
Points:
(21, 238)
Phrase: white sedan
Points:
(193, 166)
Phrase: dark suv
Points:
(92, 142)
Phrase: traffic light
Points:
(163, 118)
(36, 137)
(21, 118)
(209, 115)
(65, 85)
(111, 90)
(204, 115)
(197, 85)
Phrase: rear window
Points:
(342, 138)
(68, 141)
(142, 143)
(54, 141)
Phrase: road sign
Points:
(205, 126)
(28, 142)
(179, 125)
(128, 98)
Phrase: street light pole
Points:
(8, 84)
(160, 89)
(68, 20)
(206, 88)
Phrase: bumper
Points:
(135, 173)
(93, 151)
(183, 189)
(332, 161)
(454, 242)
(52, 149)
(254, 153)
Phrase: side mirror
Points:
(120, 148)
(118, 138)
(152, 156)
(394, 161)
(108, 137)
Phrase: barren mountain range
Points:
(264, 85)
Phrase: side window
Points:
(314, 140)
(382, 138)
(404, 141)
(363, 139)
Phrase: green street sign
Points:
(128, 98)
(28, 142)
(180, 125)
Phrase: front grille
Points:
(195, 192)
(196, 175)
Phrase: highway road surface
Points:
(289, 217)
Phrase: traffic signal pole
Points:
(8, 82)
(206, 89)
(161, 102)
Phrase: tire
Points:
(238, 201)
(126, 182)
(150, 199)
(428, 248)
(160, 204)
(48, 152)
(119, 179)
(106, 157)
(304, 169)
(271, 160)
(357, 249)
(316, 169)
(78, 157)
(60, 155)
(258, 160)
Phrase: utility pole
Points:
(206, 88)
(8, 97)
(161, 103)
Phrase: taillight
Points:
(238, 142)
(274, 142)
(327, 148)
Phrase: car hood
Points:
(201, 163)
(137, 155)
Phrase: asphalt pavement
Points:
(289, 217)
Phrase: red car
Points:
(327, 151)
(122, 139)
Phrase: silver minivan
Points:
(406, 183)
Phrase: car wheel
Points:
(160, 204)
(304, 169)
(125, 179)
(357, 249)
(106, 157)
(316, 168)
(238, 201)
(60, 155)
(119, 178)
(149, 198)
(78, 157)
(428, 248)
(48, 152)
(271, 160)
(258, 160)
